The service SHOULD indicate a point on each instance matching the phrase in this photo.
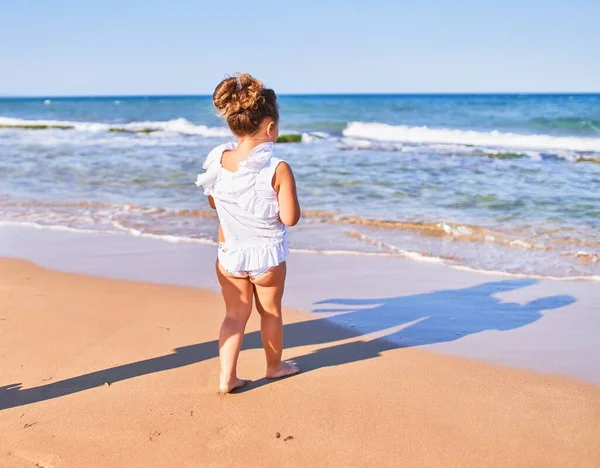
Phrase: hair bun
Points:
(245, 103)
(238, 93)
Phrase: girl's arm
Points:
(285, 186)
(211, 202)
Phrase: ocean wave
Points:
(594, 278)
(120, 230)
(450, 243)
(314, 136)
(460, 264)
(129, 216)
(441, 229)
(347, 144)
(54, 227)
(494, 139)
(180, 126)
(569, 123)
(397, 251)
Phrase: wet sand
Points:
(112, 373)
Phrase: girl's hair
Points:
(245, 103)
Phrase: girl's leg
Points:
(237, 293)
(268, 292)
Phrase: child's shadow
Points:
(443, 315)
(423, 318)
(405, 321)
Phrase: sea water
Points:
(493, 182)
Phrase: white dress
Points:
(248, 209)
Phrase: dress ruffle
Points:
(257, 205)
(247, 257)
(257, 158)
(212, 165)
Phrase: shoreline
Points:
(394, 252)
(544, 326)
(106, 357)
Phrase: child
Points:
(254, 194)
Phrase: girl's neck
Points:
(246, 145)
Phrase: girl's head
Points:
(251, 110)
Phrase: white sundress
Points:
(248, 209)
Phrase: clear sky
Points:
(61, 47)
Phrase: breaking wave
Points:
(180, 126)
(495, 139)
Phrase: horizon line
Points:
(184, 95)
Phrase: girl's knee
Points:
(238, 315)
(273, 312)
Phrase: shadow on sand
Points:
(418, 320)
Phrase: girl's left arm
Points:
(211, 202)
(285, 186)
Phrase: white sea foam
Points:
(54, 227)
(594, 278)
(124, 231)
(180, 126)
(173, 239)
(426, 135)
(170, 238)
(312, 136)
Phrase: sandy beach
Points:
(522, 322)
(111, 373)
(431, 183)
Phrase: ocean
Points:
(507, 183)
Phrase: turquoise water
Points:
(495, 182)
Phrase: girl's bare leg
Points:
(237, 293)
(268, 292)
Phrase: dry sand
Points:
(360, 401)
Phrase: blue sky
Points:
(123, 47)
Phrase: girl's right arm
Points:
(285, 186)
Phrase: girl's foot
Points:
(283, 370)
(227, 386)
